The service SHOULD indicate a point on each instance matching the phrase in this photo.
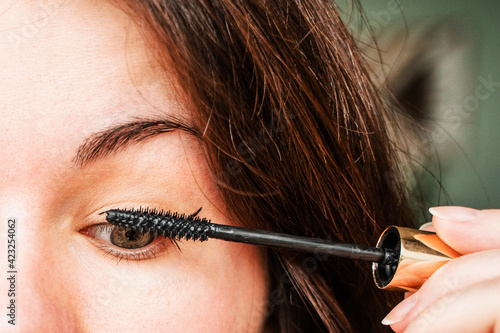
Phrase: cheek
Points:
(225, 292)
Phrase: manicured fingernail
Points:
(400, 311)
(427, 227)
(454, 213)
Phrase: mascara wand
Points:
(397, 250)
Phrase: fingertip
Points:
(454, 213)
(467, 230)
(427, 227)
(400, 311)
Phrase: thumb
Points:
(467, 230)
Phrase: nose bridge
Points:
(31, 284)
(32, 164)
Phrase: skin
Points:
(72, 71)
(83, 69)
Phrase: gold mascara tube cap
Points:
(420, 254)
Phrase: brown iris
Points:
(130, 239)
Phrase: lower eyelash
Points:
(148, 252)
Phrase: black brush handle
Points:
(304, 244)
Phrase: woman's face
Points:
(70, 70)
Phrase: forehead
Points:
(68, 69)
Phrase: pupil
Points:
(131, 235)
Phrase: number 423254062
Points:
(11, 243)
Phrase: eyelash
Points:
(158, 245)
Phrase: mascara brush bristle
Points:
(159, 223)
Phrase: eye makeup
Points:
(122, 243)
(402, 259)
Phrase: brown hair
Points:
(297, 138)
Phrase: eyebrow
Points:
(109, 141)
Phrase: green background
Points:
(470, 173)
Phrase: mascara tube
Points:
(420, 254)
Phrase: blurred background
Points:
(441, 61)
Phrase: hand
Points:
(464, 294)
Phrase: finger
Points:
(474, 310)
(427, 227)
(467, 230)
(455, 275)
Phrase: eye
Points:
(124, 243)
(129, 239)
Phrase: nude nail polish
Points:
(454, 213)
(400, 311)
